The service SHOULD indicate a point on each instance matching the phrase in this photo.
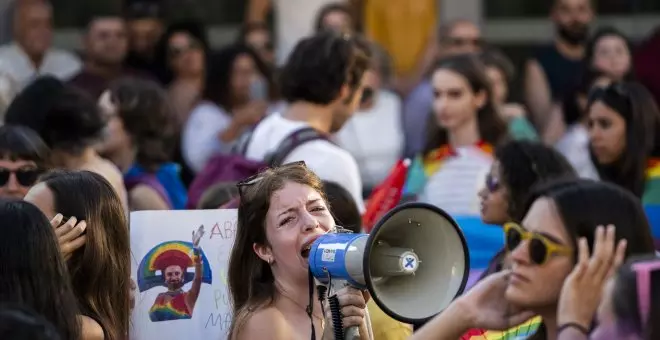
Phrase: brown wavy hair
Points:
(492, 129)
(100, 270)
(251, 282)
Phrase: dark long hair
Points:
(524, 164)
(217, 88)
(33, 273)
(100, 270)
(251, 281)
(583, 205)
(636, 105)
(492, 129)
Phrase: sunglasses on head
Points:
(540, 248)
(25, 177)
(254, 179)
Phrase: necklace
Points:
(320, 318)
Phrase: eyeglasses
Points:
(25, 177)
(540, 247)
(256, 178)
(492, 183)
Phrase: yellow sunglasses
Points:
(540, 247)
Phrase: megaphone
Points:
(414, 262)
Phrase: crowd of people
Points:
(297, 138)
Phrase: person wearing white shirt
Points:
(31, 53)
(323, 83)
(229, 106)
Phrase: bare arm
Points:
(143, 197)
(537, 95)
(571, 334)
(193, 293)
(257, 10)
(448, 325)
(555, 127)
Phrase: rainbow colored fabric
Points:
(519, 332)
(651, 199)
(174, 309)
(423, 166)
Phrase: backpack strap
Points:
(291, 142)
(243, 142)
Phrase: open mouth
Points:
(305, 252)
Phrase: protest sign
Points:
(175, 298)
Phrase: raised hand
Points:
(486, 306)
(197, 236)
(582, 289)
(69, 234)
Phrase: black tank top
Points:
(563, 74)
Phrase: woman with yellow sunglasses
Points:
(542, 250)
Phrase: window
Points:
(522, 9)
(74, 13)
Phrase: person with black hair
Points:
(563, 219)
(182, 54)
(609, 51)
(336, 16)
(145, 19)
(70, 123)
(237, 92)
(323, 83)
(17, 322)
(23, 157)
(33, 273)
(624, 138)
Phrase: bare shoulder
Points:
(143, 197)
(267, 323)
(91, 330)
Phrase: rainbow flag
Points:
(423, 167)
(651, 199)
(519, 332)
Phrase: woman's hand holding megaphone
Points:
(352, 303)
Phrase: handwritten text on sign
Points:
(173, 302)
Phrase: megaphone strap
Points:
(310, 307)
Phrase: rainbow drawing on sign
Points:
(167, 265)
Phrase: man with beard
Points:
(176, 304)
(106, 46)
(556, 69)
(322, 82)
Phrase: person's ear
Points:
(480, 99)
(263, 252)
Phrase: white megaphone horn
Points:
(414, 263)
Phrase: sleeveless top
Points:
(174, 309)
(563, 74)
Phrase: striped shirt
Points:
(455, 186)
